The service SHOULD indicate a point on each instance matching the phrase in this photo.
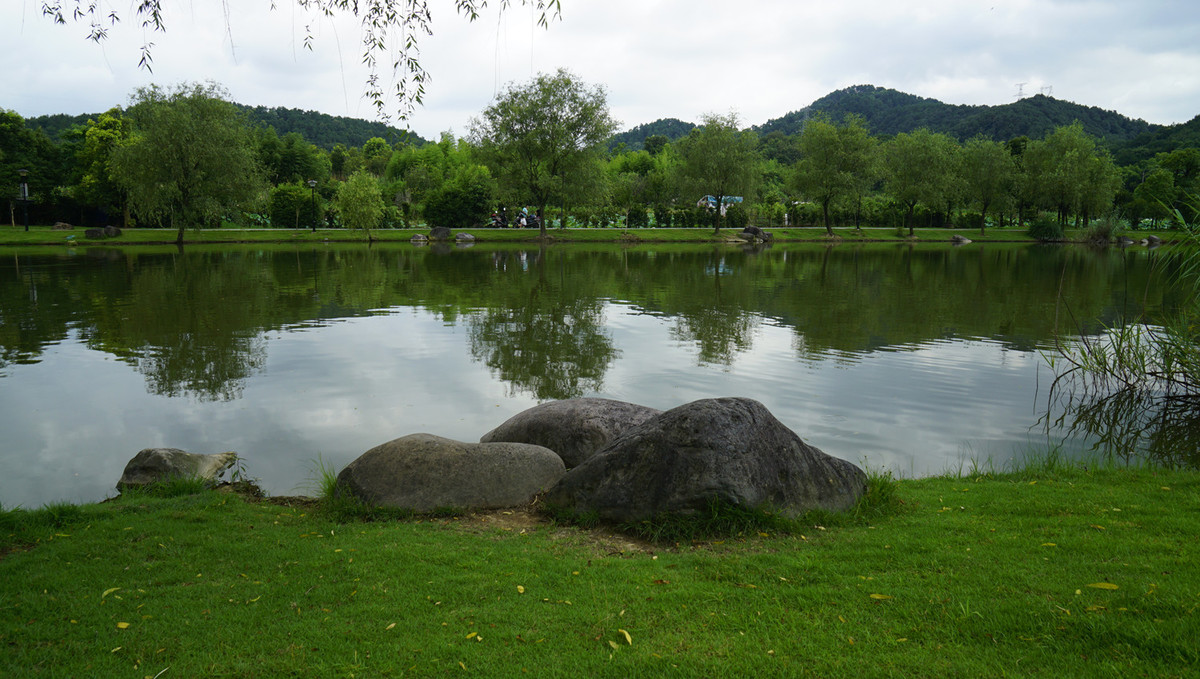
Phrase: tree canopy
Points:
(190, 159)
(545, 137)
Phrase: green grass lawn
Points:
(1057, 572)
(44, 235)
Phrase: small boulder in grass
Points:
(158, 465)
(423, 472)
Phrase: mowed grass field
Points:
(1048, 571)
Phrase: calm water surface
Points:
(913, 359)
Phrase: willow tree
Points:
(544, 140)
(835, 160)
(190, 159)
(919, 170)
(389, 30)
(719, 160)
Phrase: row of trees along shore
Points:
(186, 156)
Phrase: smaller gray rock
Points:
(419, 238)
(439, 233)
(111, 232)
(959, 239)
(574, 428)
(93, 233)
(464, 238)
(423, 472)
(155, 465)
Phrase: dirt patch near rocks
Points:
(519, 520)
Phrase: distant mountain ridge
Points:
(319, 129)
(671, 128)
(888, 112)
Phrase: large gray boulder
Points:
(731, 450)
(574, 428)
(155, 465)
(423, 472)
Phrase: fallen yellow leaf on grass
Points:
(520, 589)
(628, 639)
(122, 625)
(880, 596)
(1103, 585)
(390, 626)
(471, 635)
(108, 591)
(1049, 544)
(613, 644)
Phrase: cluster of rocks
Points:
(619, 461)
(106, 232)
(441, 234)
(753, 234)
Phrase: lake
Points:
(916, 359)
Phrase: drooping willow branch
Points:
(390, 31)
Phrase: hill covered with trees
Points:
(888, 112)
(635, 139)
(320, 129)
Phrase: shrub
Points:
(1045, 228)
(662, 216)
(736, 216)
(636, 218)
(1102, 230)
(292, 207)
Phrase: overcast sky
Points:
(668, 59)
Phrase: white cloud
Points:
(761, 58)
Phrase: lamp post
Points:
(23, 196)
(312, 185)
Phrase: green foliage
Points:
(736, 216)
(1045, 228)
(988, 172)
(360, 203)
(651, 136)
(290, 158)
(543, 140)
(637, 218)
(835, 162)
(101, 139)
(1102, 230)
(1068, 173)
(719, 160)
(889, 112)
(465, 200)
(194, 122)
(176, 486)
(294, 206)
(919, 170)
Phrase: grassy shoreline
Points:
(1048, 571)
(45, 236)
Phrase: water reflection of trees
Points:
(190, 326)
(546, 335)
(194, 323)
